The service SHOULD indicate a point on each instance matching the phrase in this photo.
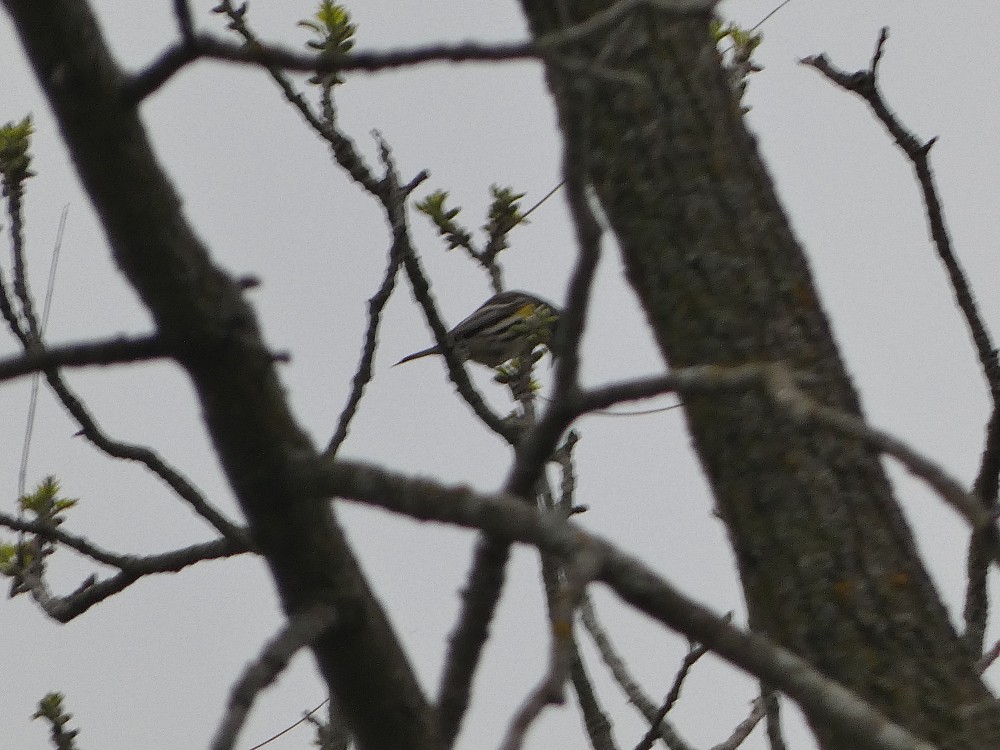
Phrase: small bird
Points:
(507, 325)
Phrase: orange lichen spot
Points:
(844, 589)
(562, 628)
(803, 293)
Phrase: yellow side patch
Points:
(525, 311)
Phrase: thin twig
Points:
(176, 57)
(91, 592)
(864, 83)
(690, 658)
(363, 374)
(468, 637)
(538, 204)
(742, 730)
(987, 659)
(343, 148)
(392, 196)
(160, 563)
(182, 487)
(486, 578)
(767, 17)
(578, 570)
(15, 195)
(629, 685)
(456, 369)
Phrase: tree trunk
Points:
(828, 564)
(201, 314)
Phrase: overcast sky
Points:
(153, 666)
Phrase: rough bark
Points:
(201, 314)
(827, 561)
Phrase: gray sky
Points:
(153, 666)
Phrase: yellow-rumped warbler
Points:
(507, 325)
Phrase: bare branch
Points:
(91, 592)
(14, 192)
(486, 577)
(162, 563)
(578, 571)
(119, 350)
(692, 656)
(772, 706)
(864, 83)
(595, 719)
(456, 369)
(185, 24)
(149, 458)
(364, 370)
(616, 664)
(174, 58)
(195, 47)
(548, 692)
(10, 316)
(537, 446)
(509, 519)
(799, 406)
(343, 148)
(987, 659)
(302, 629)
(392, 196)
(243, 404)
(781, 386)
(742, 730)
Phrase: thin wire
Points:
(22, 476)
(761, 21)
(290, 728)
(544, 198)
(636, 413)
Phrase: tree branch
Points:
(619, 670)
(119, 350)
(301, 630)
(166, 562)
(204, 46)
(149, 458)
(692, 656)
(364, 370)
(864, 83)
(595, 719)
(742, 730)
(508, 519)
(91, 592)
(185, 24)
(242, 401)
(198, 46)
